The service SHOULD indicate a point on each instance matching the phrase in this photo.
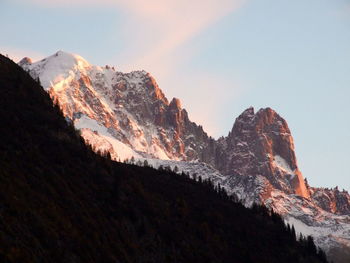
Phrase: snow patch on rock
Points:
(283, 165)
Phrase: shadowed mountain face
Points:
(128, 115)
(61, 202)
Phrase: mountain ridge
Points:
(128, 115)
(61, 202)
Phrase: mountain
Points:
(127, 115)
(130, 107)
(61, 202)
(260, 144)
(262, 168)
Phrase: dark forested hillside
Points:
(60, 202)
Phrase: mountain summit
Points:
(261, 144)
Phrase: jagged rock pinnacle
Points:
(261, 144)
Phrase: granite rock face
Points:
(261, 144)
(332, 200)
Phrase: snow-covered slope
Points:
(127, 115)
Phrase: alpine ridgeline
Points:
(61, 202)
(127, 115)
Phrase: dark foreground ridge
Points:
(60, 202)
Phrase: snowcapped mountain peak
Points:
(64, 56)
(57, 68)
(70, 59)
(64, 61)
(130, 106)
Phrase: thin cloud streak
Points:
(154, 29)
(157, 37)
(179, 21)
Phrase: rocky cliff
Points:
(261, 144)
(332, 200)
(130, 106)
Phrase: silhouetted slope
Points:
(60, 202)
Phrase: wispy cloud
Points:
(157, 37)
(175, 22)
(166, 48)
(154, 29)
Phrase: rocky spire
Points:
(136, 113)
(261, 144)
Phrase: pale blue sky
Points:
(218, 57)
